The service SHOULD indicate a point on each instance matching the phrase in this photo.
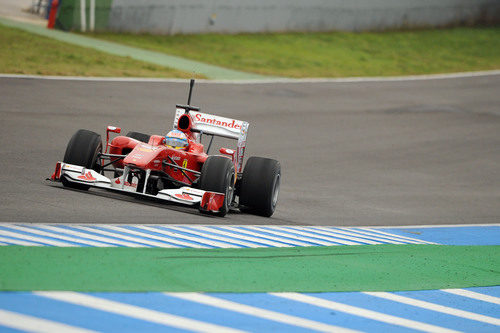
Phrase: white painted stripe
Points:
(360, 312)
(276, 231)
(305, 232)
(134, 311)
(258, 312)
(258, 234)
(58, 236)
(391, 238)
(350, 232)
(445, 76)
(221, 238)
(252, 236)
(332, 233)
(113, 241)
(18, 242)
(435, 226)
(124, 237)
(191, 238)
(32, 324)
(398, 236)
(436, 307)
(474, 295)
(36, 239)
(165, 239)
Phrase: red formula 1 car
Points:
(146, 165)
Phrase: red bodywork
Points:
(151, 155)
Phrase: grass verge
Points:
(307, 269)
(336, 54)
(26, 53)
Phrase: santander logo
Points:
(217, 122)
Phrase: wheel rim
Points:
(230, 190)
(276, 190)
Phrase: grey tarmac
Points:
(352, 154)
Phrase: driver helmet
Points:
(176, 139)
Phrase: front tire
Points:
(260, 185)
(218, 175)
(83, 149)
(139, 136)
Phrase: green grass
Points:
(336, 54)
(25, 53)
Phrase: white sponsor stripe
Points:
(124, 237)
(32, 324)
(474, 295)
(398, 236)
(191, 238)
(35, 239)
(332, 233)
(50, 234)
(259, 234)
(94, 237)
(392, 238)
(360, 312)
(221, 238)
(258, 312)
(6, 240)
(305, 232)
(436, 307)
(134, 311)
(350, 232)
(276, 231)
(148, 235)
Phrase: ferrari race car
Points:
(147, 165)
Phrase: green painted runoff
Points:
(302, 269)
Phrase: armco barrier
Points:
(235, 16)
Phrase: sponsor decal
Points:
(217, 122)
(147, 150)
(184, 196)
(175, 157)
(130, 184)
(87, 177)
(185, 163)
(117, 181)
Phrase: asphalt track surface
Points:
(360, 153)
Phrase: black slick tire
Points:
(259, 187)
(83, 149)
(139, 136)
(218, 175)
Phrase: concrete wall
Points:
(234, 16)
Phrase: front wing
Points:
(205, 200)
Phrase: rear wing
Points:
(218, 126)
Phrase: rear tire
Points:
(83, 150)
(139, 136)
(218, 175)
(260, 186)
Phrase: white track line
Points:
(267, 81)
(353, 233)
(49, 234)
(436, 307)
(474, 295)
(398, 236)
(32, 324)
(148, 235)
(133, 311)
(192, 238)
(360, 312)
(304, 232)
(221, 238)
(114, 242)
(252, 233)
(131, 239)
(36, 239)
(300, 238)
(18, 242)
(258, 312)
(330, 233)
